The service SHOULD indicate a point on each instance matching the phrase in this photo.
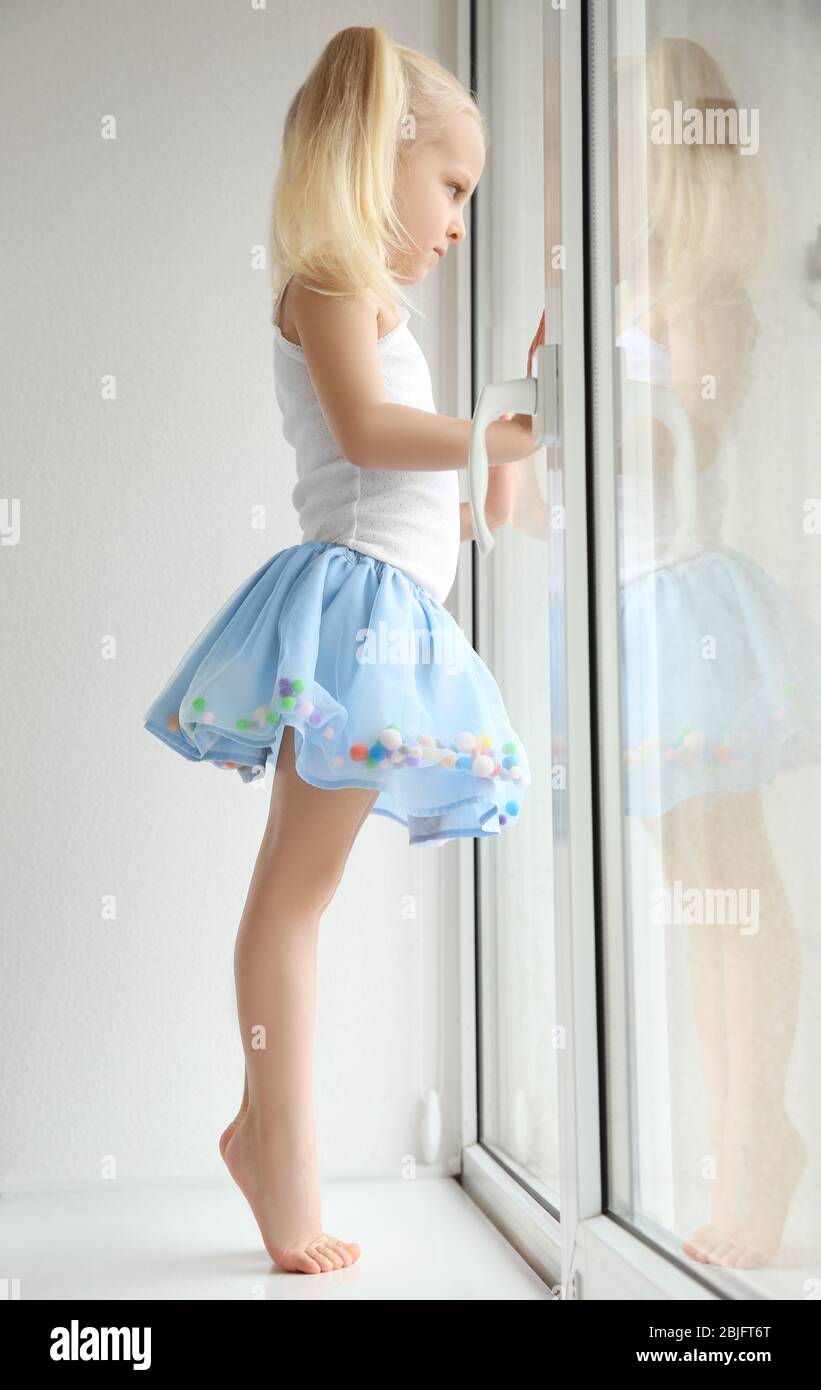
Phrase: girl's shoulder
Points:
(299, 300)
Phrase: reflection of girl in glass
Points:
(721, 674)
(720, 671)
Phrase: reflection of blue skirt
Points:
(720, 683)
(720, 678)
(381, 685)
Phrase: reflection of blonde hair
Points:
(367, 104)
(705, 226)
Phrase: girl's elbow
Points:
(351, 440)
(355, 457)
(364, 439)
(356, 451)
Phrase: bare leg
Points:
(271, 1153)
(231, 1126)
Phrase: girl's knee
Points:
(295, 874)
(306, 858)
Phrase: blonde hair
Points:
(367, 104)
(705, 228)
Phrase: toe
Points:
(299, 1262)
(340, 1248)
(700, 1243)
(752, 1258)
(712, 1240)
(331, 1254)
(314, 1250)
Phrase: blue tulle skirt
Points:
(379, 682)
(720, 678)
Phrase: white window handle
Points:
(530, 395)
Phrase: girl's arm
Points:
(399, 436)
(338, 337)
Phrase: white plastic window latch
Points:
(530, 395)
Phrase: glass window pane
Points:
(517, 1072)
(717, 312)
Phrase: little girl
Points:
(336, 663)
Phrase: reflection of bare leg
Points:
(671, 836)
(763, 1155)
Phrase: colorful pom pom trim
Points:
(466, 752)
(695, 750)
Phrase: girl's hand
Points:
(527, 420)
(538, 341)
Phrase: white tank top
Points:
(408, 518)
(654, 530)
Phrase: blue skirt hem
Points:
(422, 723)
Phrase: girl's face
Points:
(434, 182)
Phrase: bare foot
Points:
(229, 1129)
(279, 1182)
(751, 1205)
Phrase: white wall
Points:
(132, 258)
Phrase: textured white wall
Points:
(131, 258)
